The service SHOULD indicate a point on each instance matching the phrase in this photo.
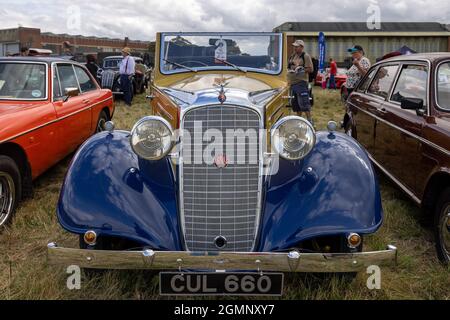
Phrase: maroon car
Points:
(400, 112)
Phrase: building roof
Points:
(362, 27)
(65, 35)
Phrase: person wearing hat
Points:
(300, 65)
(126, 70)
(360, 66)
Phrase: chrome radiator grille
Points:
(221, 202)
(108, 79)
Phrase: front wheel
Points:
(102, 119)
(10, 189)
(442, 227)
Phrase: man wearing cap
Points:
(360, 66)
(299, 67)
(126, 70)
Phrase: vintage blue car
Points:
(221, 185)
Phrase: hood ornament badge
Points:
(221, 84)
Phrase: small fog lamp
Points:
(90, 237)
(354, 240)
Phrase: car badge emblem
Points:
(221, 161)
(222, 97)
(221, 83)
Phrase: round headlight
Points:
(151, 138)
(293, 138)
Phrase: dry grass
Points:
(24, 273)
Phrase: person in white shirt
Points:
(127, 69)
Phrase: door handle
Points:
(86, 101)
(382, 111)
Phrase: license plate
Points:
(221, 283)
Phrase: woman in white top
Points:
(360, 66)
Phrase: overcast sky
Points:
(139, 19)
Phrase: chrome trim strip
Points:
(428, 143)
(396, 181)
(293, 261)
(46, 79)
(53, 121)
(260, 114)
(436, 101)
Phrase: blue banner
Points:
(322, 51)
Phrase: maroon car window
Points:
(412, 83)
(443, 86)
(363, 87)
(383, 80)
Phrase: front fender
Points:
(110, 190)
(333, 191)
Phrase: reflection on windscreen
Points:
(203, 52)
(113, 63)
(22, 81)
(444, 86)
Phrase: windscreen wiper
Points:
(179, 65)
(234, 66)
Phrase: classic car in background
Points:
(48, 107)
(400, 112)
(273, 196)
(110, 78)
(341, 77)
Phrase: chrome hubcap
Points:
(7, 196)
(445, 231)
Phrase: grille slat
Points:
(222, 202)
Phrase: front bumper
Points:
(250, 261)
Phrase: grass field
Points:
(24, 273)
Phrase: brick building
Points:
(11, 40)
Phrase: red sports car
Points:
(341, 77)
(48, 107)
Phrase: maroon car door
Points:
(362, 107)
(377, 91)
(398, 131)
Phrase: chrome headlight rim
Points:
(282, 121)
(152, 118)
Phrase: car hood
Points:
(210, 81)
(203, 89)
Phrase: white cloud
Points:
(139, 19)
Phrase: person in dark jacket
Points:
(91, 65)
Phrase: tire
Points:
(102, 119)
(10, 190)
(442, 226)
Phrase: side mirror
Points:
(412, 104)
(70, 92)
